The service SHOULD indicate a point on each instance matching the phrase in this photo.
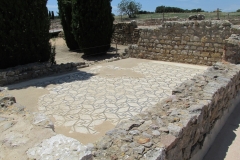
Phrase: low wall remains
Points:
(156, 21)
(195, 42)
(175, 128)
(34, 70)
(232, 49)
(235, 21)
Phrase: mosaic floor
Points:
(86, 99)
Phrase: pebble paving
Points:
(83, 100)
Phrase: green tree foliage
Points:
(144, 12)
(52, 16)
(238, 10)
(49, 14)
(24, 35)
(65, 14)
(161, 9)
(92, 23)
(129, 7)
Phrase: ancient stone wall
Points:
(232, 49)
(175, 128)
(196, 42)
(125, 33)
(156, 21)
(235, 21)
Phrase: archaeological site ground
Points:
(163, 92)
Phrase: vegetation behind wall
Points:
(24, 32)
(92, 25)
(65, 14)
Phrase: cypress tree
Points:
(49, 14)
(92, 25)
(24, 35)
(52, 15)
(65, 14)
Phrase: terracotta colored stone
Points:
(143, 140)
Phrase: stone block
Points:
(216, 55)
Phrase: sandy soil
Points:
(63, 55)
(18, 134)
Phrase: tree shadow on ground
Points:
(55, 79)
(225, 138)
(111, 53)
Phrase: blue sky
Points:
(150, 5)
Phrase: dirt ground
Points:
(63, 55)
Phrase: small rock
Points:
(139, 149)
(147, 135)
(159, 121)
(41, 119)
(157, 153)
(127, 138)
(129, 125)
(154, 127)
(134, 132)
(124, 148)
(148, 145)
(164, 129)
(156, 133)
(143, 140)
(18, 107)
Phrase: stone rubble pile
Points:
(196, 17)
(60, 147)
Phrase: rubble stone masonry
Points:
(175, 128)
(195, 42)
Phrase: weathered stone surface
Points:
(156, 154)
(129, 125)
(40, 119)
(138, 150)
(60, 147)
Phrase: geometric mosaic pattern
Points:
(86, 102)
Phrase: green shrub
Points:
(92, 24)
(24, 32)
(65, 14)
